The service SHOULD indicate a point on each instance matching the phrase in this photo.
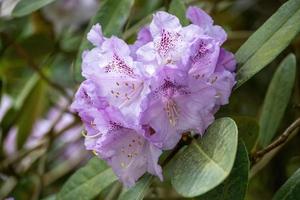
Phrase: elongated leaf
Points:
(31, 104)
(112, 16)
(248, 130)
(277, 99)
(25, 7)
(235, 185)
(139, 190)
(178, 9)
(7, 186)
(88, 181)
(207, 162)
(291, 189)
(268, 41)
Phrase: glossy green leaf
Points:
(139, 190)
(235, 185)
(88, 181)
(291, 188)
(25, 7)
(178, 8)
(31, 105)
(112, 16)
(277, 99)
(268, 41)
(248, 130)
(208, 161)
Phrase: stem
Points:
(278, 142)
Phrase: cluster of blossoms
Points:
(138, 99)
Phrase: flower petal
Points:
(198, 17)
(226, 61)
(204, 57)
(95, 35)
(125, 148)
(164, 21)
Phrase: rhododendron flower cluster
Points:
(138, 100)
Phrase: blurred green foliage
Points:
(29, 48)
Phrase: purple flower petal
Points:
(170, 43)
(138, 100)
(95, 35)
(204, 57)
(177, 103)
(226, 61)
(198, 17)
(123, 146)
(144, 36)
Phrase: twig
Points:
(22, 53)
(279, 141)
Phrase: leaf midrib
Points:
(268, 37)
(239, 73)
(209, 158)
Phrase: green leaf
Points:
(7, 186)
(30, 104)
(139, 190)
(268, 41)
(178, 8)
(235, 185)
(277, 99)
(291, 188)
(88, 181)
(25, 7)
(248, 129)
(208, 161)
(112, 16)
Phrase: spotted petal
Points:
(170, 41)
(177, 103)
(125, 148)
(203, 58)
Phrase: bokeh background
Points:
(38, 80)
